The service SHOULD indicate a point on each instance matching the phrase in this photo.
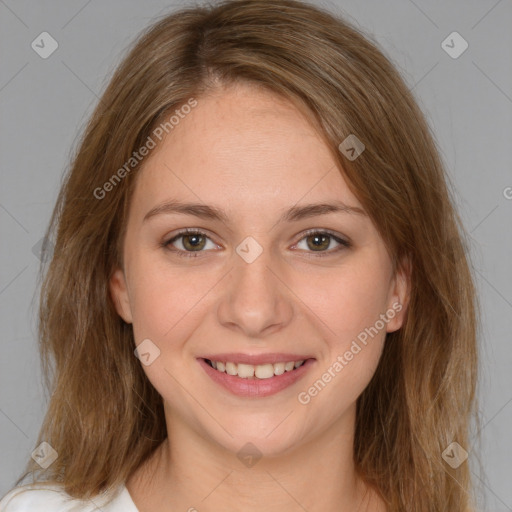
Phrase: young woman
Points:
(259, 297)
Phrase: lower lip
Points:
(254, 387)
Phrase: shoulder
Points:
(43, 497)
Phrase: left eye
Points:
(195, 241)
(320, 241)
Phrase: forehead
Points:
(246, 149)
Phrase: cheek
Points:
(350, 303)
(166, 299)
(348, 300)
(354, 336)
(167, 306)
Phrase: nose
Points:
(256, 300)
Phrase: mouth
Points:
(250, 371)
(256, 380)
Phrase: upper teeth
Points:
(261, 371)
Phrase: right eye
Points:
(191, 241)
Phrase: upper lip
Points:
(257, 359)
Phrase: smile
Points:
(255, 380)
(260, 371)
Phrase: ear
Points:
(119, 294)
(399, 295)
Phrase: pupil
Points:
(319, 241)
(192, 241)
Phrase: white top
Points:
(43, 497)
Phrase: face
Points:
(265, 279)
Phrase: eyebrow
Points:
(294, 214)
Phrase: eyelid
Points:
(321, 231)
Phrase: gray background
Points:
(45, 102)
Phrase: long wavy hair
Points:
(104, 417)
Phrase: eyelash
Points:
(344, 244)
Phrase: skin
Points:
(254, 155)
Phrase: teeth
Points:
(279, 368)
(246, 370)
(260, 371)
(264, 371)
(231, 368)
(289, 366)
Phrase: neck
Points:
(189, 472)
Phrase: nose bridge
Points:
(255, 300)
(252, 268)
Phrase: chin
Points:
(265, 434)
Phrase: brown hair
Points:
(104, 417)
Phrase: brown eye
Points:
(194, 242)
(318, 241)
(189, 243)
